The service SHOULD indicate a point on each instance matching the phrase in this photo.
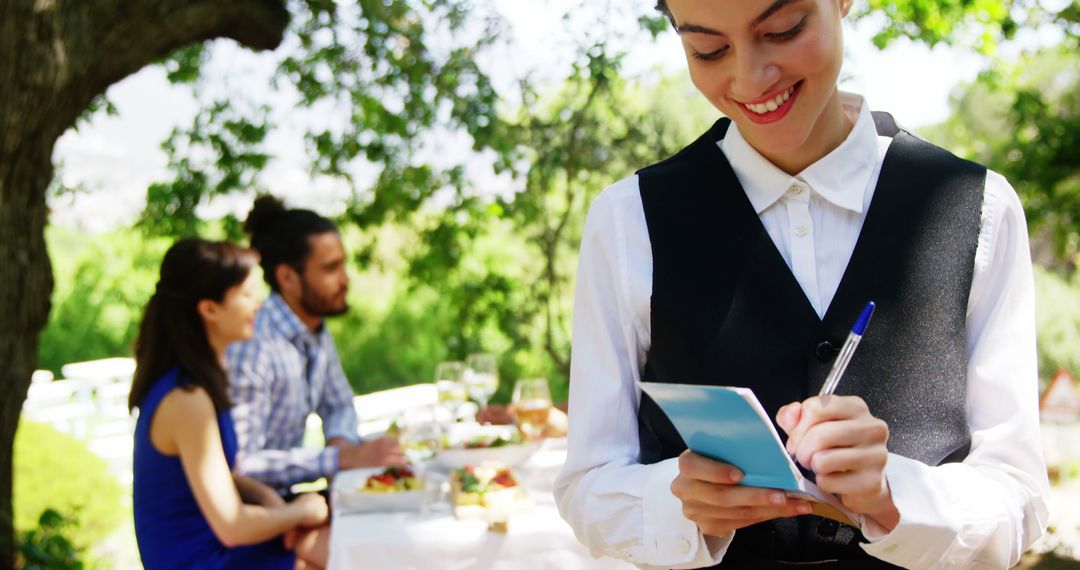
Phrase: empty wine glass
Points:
(481, 377)
(449, 381)
(532, 405)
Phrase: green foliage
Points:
(1057, 321)
(980, 23)
(219, 154)
(55, 471)
(185, 65)
(400, 327)
(394, 74)
(46, 547)
(1022, 119)
(102, 285)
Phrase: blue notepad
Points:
(729, 424)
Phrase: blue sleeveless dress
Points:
(169, 527)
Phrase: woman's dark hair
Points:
(281, 235)
(172, 332)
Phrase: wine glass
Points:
(481, 377)
(421, 442)
(532, 404)
(449, 381)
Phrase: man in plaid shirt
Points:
(290, 368)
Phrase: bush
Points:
(55, 471)
(46, 548)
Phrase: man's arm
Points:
(335, 407)
(253, 380)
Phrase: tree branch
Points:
(135, 33)
(73, 50)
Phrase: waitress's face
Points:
(769, 65)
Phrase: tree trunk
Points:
(25, 287)
(55, 57)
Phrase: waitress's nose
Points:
(755, 75)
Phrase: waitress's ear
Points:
(845, 7)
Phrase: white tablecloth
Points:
(434, 539)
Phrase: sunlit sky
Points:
(115, 158)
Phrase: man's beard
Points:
(319, 306)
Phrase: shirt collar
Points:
(284, 319)
(840, 177)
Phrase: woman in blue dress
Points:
(191, 510)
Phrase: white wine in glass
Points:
(421, 442)
(449, 381)
(481, 377)
(532, 405)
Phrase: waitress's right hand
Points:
(712, 498)
(313, 509)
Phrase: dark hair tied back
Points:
(281, 235)
(263, 214)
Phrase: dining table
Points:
(430, 536)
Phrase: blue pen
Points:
(847, 351)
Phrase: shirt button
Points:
(890, 549)
(801, 230)
(684, 545)
(795, 189)
(826, 351)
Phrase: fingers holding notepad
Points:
(713, 499)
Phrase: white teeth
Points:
(772, 105)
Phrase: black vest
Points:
(726, 310)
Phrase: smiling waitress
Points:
(743, 260)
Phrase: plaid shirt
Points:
(277, 378)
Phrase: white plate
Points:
(508, 455)
(349, 493)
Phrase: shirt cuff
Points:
(328, 461)
(923, 538)
(670, 539)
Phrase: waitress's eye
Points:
(788, 34)
(709, 55)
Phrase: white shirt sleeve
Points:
(616, 506)
(987, 510)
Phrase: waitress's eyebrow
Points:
(774, 8)
(699, 29)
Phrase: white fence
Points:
(90, 404)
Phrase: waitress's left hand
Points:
(838, 439)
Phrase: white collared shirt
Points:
(982, 512)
